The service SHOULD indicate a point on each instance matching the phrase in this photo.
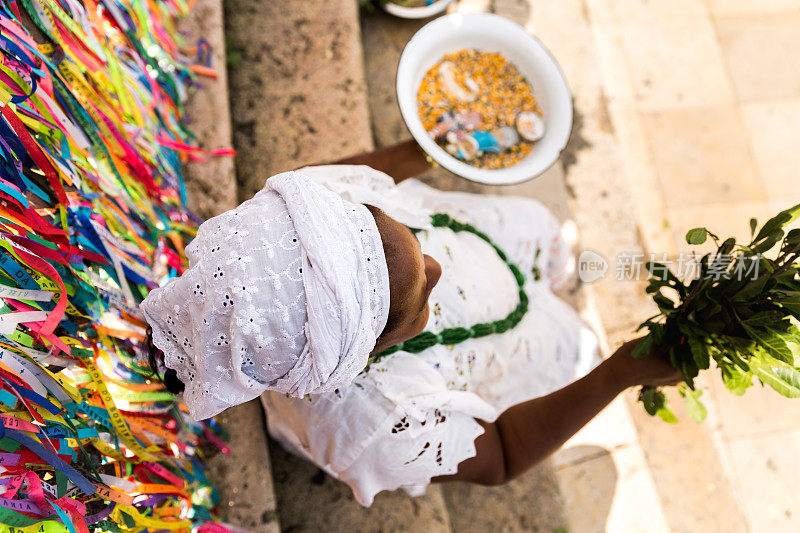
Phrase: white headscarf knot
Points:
(287, 292)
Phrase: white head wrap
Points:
(287, 292)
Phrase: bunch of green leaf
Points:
(741, 311)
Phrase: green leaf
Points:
(752, 288)
(764, 318)
(643, 348)
(768, 242)
(789, 296)
(778, 222)
(793, 237)
(753, 224)
(661, 272)
(699, 353)
(653, 400)
(784, 379)
(793, 308)
(710, 309)
(667, 415)
(772, 343)
(696, 236)
(663, 303)
(694, 406)
(655, 284)
(726, 247)
(739, 359)
(793, 334)
(736, 380)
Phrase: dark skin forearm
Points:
(527, 433)
(534, 430)
(400, 161)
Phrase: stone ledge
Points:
(211, 184)
(244, 478)
(297, 86)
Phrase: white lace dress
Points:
(411, 417)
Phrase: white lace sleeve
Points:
(410, 452)
(373, 443)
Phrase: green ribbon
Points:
(451, 336)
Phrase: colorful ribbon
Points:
(93, 216)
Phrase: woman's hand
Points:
(654, 369)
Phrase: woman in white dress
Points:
(460, 411)
(505, 373)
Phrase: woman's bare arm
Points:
(401, 161)
(529, 432)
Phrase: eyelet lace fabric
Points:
(287, 292)
(411, 417)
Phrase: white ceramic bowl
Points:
(416, 12)
(489, 33)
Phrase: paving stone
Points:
(693, 483)
(604, 211)
(297, 86)
(766, 467)
(749, 7)
(702, 156)
(621, 10)
(310, 500)
(760, 411)
(384, 38)
(533, 502)
(211, 184)
(772, 128)
(611, 490)
(693, 492)
(588, 485)
(726, 219)
(244, 478)
(696, 77)
(757, 49)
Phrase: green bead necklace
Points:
(450, 336)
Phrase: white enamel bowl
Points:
(416, 12)
(489, 33)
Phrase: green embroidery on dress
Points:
(450, 336)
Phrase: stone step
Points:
(297, 86)
(243, 478)
(210, 184)
(298, 97)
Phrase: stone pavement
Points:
(706, 115)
